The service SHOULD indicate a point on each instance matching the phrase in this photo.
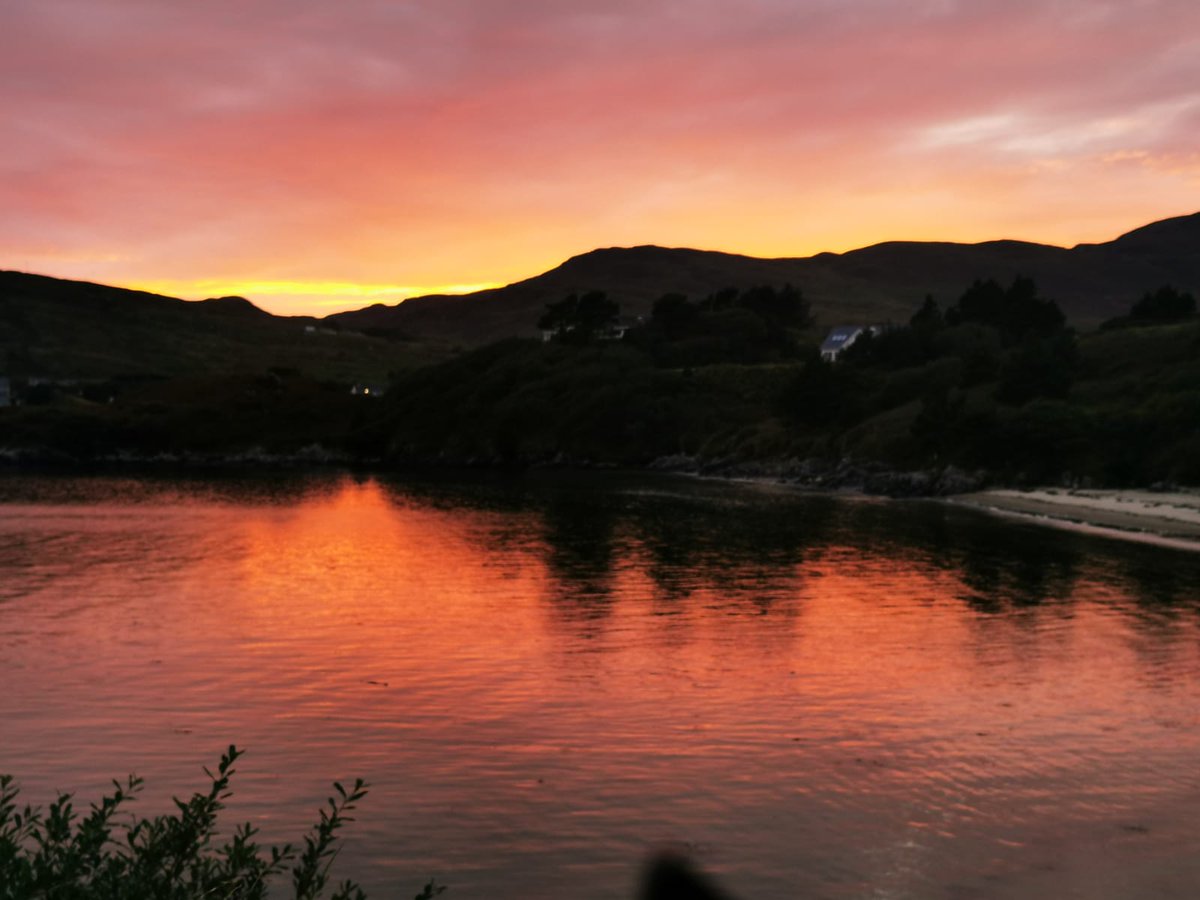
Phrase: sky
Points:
(315, 155)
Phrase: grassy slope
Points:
(50, 327)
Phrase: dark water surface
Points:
(545, 677)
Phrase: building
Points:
(842, 337)
(6, 398)
(611, 331)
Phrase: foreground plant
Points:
(61, 855)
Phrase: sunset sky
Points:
(317, 155)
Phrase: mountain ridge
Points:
(879, 282)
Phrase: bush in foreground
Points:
(61, 855)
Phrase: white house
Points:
(613, 331)
(842, 337)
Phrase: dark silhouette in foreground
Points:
(671, 877)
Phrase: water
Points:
(545, 678)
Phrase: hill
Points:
(57, 328)
(995, 386)
(73, 329)
(1091, 282)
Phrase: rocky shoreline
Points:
(841, 475)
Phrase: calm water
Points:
(545, 678)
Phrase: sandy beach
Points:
(1165, 517)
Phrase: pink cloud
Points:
(479, 140)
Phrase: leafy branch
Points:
(59, 855)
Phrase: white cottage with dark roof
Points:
(842, 337)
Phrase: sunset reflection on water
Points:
(545, 677)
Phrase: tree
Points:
(982, 303)
(784, 307)
(1016, 311)
(1026, 313)
(722, 299)
(1164, 305)
(928, 317)
(578, 319)
(673, 316)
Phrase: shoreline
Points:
(1167, 518)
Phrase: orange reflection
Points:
(543, 683)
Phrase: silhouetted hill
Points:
(1170, 247)
(888, 281)
(51, 327)
(233, 306)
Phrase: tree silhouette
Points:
(928, 317)
(578, 319)
(1164, 305)
(1016, 312)
(673, 316)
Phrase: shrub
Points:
(59, 854)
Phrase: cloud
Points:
(1044, 135)
(481, 140)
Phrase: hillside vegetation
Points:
(994, 381)
(997, 382)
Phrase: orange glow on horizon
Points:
(318, 298)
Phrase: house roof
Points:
(839, 336)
